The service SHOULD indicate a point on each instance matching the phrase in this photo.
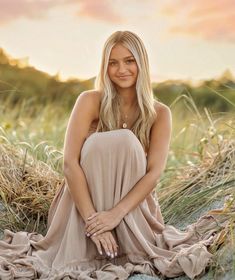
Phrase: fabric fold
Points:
(113, 162)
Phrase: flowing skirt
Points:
(113, 162)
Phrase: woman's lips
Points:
(123, 77)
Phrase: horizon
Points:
(188, 41)
(24, 63)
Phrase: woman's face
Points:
(122, 67)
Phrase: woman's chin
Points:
(125, 85)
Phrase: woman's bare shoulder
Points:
(159, 106)
(95, 97)
(162, 110)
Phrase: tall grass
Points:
(40, 129)
(200, 172)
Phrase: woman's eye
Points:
(130, 60)
(112, 63)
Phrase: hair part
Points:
(109, 115)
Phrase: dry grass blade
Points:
(27, 189)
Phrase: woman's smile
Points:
(124, 77)
(122, 67)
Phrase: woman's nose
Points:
(121, 68)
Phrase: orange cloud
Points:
(209, 19)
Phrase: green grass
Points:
(200, 171)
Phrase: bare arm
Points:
(84, 112)
(157, 158)
(81, 117)
(156, 161)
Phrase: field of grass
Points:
(200, 172)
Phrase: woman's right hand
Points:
(107, 241)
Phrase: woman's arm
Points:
(84, 112)
(156, 161)
(79, 123)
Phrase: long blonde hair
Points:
(109, 109)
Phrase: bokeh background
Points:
(50, 51)
(190, 40)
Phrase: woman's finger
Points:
(91, 222)
(96, 229)
(104, 244)
(99, 231)
(114, 244)
(93, 228)
(110, 247)
(98, 245)
(92, 216)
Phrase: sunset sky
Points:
(184, 39)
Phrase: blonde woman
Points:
(105, 221)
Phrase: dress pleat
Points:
(113, 162)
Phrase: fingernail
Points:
(115, 253)
(111, 255)
(94, 234)
(108, 254)
(101, 252)
(88, 234)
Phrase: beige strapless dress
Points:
(113, 162)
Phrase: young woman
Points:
(105, 221)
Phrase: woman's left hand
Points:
(100, 222)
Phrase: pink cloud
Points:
(101, 10)
(11, 10)
(209, 19)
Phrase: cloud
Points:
(11, 10)
(209, 19)
(15, 9)
(101, 10)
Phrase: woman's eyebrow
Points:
(124, 57)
